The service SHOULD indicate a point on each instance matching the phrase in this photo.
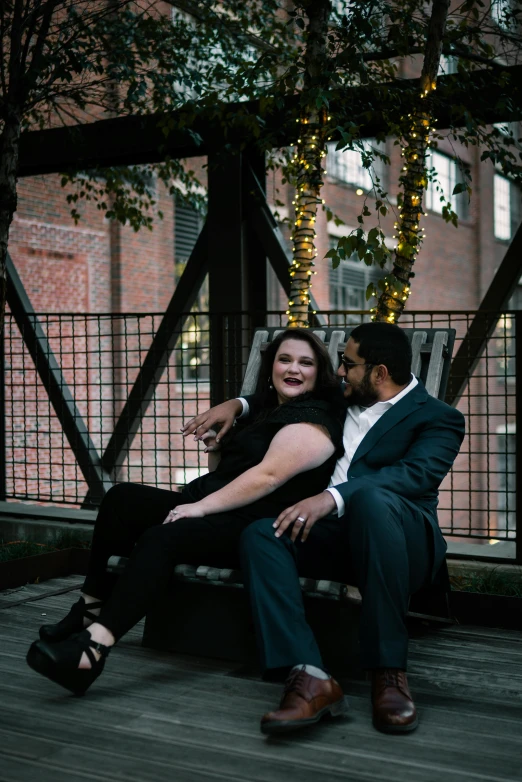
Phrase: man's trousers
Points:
(381, 545)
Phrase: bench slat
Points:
(436, 363)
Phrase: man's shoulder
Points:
(439, 410)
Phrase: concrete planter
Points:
(41, 567)
(475, 608)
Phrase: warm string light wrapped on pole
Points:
(409, 234)
(308, 166)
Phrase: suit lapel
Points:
(390, 418)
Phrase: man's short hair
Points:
(385, 343)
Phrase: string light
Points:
(308, 168)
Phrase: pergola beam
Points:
(137, 140)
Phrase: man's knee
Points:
(258, 536)
(372, 510)
(261, 529)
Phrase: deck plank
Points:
(155, 716)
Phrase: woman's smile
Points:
(294, 371)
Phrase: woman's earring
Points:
(270, 384)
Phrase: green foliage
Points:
(21, 549)
(488, 582)
(70, 61)
(25, 548)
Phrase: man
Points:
(375, 526)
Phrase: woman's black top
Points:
(248, 445)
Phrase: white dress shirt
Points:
(359, 421)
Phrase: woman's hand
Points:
(192, 511)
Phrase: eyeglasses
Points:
(347, 364)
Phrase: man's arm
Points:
(424, 466)
(422, 470)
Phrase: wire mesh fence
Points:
(101, 355)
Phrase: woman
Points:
(288, 452)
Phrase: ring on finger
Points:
(301, 519)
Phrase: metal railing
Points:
(100, 357)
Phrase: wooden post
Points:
(227, 272)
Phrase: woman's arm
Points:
(296, 448)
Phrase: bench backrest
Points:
(431, 348)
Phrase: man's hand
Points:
(222, 415)
(304, 514)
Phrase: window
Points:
(341, 7)
(447, 177)
(506, 497)
(348, 283)
(502, 207)
(448, 64)
(347, 166)
(505, 345)
(501, 13)
(193, 356)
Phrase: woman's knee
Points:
(118, 495)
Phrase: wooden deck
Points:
(156, 716)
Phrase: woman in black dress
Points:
(289, 451)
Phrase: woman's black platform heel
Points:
(59, 661)
(70, 624)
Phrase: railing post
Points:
(3, 486)
(518, 435)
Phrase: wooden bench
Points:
(209, 614)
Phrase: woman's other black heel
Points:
(70, 624)
(59, 661)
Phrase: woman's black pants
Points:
(130, 524)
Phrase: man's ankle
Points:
(312, 670)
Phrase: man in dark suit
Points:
(375, 526)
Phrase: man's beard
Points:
(363, 395)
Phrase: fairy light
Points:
(408, 231)
(308, 168)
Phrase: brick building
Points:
(97, 268)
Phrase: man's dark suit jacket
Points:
(408, 451)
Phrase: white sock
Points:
(312, 670)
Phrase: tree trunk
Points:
(9, 150)
(413, 182)
(309, 163)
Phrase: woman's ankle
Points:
(101, 634)
(90, 599)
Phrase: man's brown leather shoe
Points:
(393, 707)
(305, 700)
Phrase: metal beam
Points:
(518, 439)
(141, 139)
(56, 386)
(262, 220)
(3, 477)
(484, 322)
(157, 358)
